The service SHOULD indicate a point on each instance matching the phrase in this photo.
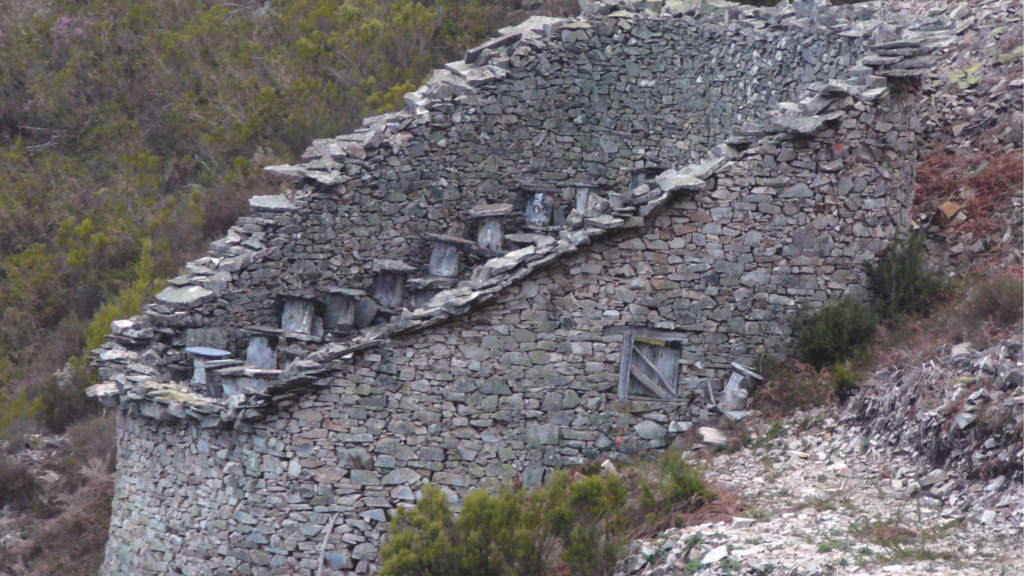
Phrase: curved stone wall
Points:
(517, 373)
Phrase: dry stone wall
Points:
(594, 100)
(512, 369)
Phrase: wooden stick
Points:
(323, 547)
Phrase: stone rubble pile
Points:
(973, 99)
(956, 253)
(828, 498)
(962, 412)
(974, 96)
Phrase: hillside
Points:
(133, 133)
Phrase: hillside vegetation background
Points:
(132, 132)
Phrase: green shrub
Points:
(901, 280)
(835, 332)
(61, 406)
(128, 120)
(844, 379)
(18, 414)
(678, 483)
(1000, 300)
(128, 301)
(510, 533)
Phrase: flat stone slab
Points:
(272, 203)
(673, 180)
(102, 390)
(489, 210)
(717, 554)
(286, 171)
(392, 266)
(499, 265)
(605, 222)
(207, 352)
(344, 291)
(473, 53)
(184, 295)
(796, 123)
(455, 240)
(712, 436)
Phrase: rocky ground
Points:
(921, 474)
(829, 504)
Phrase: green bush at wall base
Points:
(510, 533)
(835, 332)
(679, 483)
(901, 280)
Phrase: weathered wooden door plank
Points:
(625, 364)
(651, 384)
(652, 366)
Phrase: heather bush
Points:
(999, 300)
(835, 332)
(844, 379)
(93, 442)
(17, 485)
(18, 415)
(901, 280)
(788, 386)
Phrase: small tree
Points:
(901, 280)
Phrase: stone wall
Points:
(522, 387)
(513, 371)
(594, 100)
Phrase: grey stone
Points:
(542, 434)
(673, 181)
(650, 430)
(338, 559)
(366, 310)
(188, 295)
(400, 476)
(274, 203)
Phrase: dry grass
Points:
(999, 301)
(790, 385)
(17, 485)
(984, 183)
(720, 503)
(66, 528)
(984, 315)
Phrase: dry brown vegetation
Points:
(790, 385)
(984, 184)
(65, 523)
(982, 311)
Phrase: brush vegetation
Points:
(133, 132)
(574, 525)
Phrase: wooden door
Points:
(649, 368)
